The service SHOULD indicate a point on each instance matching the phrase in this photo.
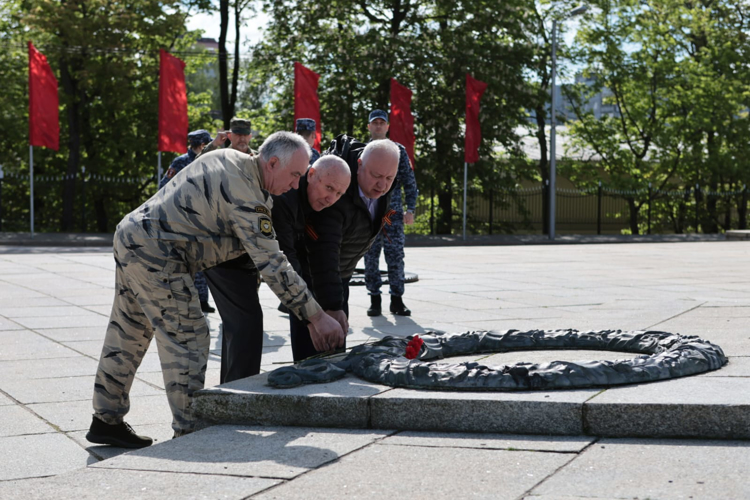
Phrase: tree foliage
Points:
(427, 45)
(678, 73)
(106, 59)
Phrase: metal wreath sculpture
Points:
(665, 356)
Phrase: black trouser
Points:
(235, 291)
(302, 346)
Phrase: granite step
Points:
(711, 406)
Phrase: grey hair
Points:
(333, 164)
(283, 145)
(385, 145)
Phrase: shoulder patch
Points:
(266, 228)
(262, 210)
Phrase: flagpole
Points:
(31, 184)
(466, 166)
(158, 171)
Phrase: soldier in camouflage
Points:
(239, 135)
(218, 208)
(306, 127)
(391, 239)
(198, 139)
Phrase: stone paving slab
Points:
(538, 412)
(738, 366)
(663, 469)
(54, 390)
(251, 401)
(606, 286)
(706, 407)
(160, 433)
(56, 311)
(39, 455)
(18, 421)
(82, 320)
(28, 345)
(76, 415)
(485, 441)
(31, 369)
(273, 452)
(379, 471)
(91, 484)
(74, 334)
(5, 400)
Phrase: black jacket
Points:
(337, 237)
(290, 210)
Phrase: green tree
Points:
(676, 72)
(106, 58)
(428, 46)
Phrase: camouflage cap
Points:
(305, 124)
(240, 126)
(198, 137)
(377, 113)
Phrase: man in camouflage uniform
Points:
(218, 208)
(239, 135)
(198, 139)
(306, 128)
(392, 238)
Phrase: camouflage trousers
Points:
(392, 243)
(153, 298)
(201, 285)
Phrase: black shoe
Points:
(206, 307)
(398, 308)
(282, 308)
(375, 306)
(121, 435)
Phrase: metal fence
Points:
(597, 210)
(15, 212)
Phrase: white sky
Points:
(211, 26)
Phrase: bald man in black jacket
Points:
(337, 237)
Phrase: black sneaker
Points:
(283, 309)
(206, 307)
(121, 435)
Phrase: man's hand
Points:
(340, 316)
(220, 139)
(408, 218)
(325, 332)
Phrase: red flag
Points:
(306, 104)
(474, 91)
(401, 119)
(173, 107)
(44, 123)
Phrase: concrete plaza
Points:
(54, 307)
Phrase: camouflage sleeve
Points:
(407, 179)
(250, 217)
(177, 164)
(314, 156)
(209, 147)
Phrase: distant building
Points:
(596, 104)
(209, 44)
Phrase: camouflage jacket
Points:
(214, 211)
(405, 178)
(314, 155)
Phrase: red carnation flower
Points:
(413, 347)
